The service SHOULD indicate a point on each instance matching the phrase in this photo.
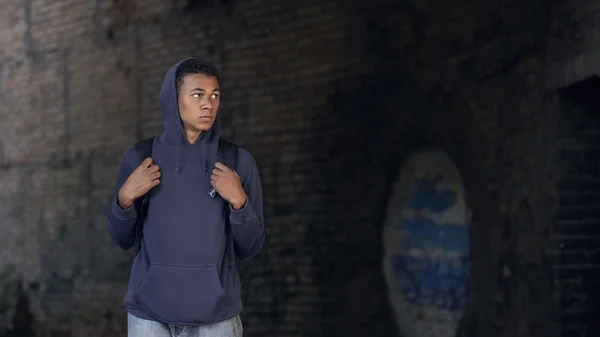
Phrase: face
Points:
(199, 98)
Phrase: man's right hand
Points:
(142, 179)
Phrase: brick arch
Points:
(463, 66)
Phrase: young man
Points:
(184, 281)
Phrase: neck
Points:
(191, 135)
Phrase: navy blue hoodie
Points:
(183, 273)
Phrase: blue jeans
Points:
(137, 327)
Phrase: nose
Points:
(206, 104)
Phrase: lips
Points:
(205, 118)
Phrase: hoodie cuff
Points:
(123, 214)
(241, 215)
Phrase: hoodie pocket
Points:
(181, 294)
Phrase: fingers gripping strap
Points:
(143, 149)
(228, 155)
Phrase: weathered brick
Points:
(32, 110)
(54, 24)
(13, 29)
(101, 101)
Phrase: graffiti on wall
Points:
(426, 242)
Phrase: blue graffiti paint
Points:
(439, 282)
(427, 196)
(425, 280)
(427, 234)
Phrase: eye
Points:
(196, 95)
(214, 96)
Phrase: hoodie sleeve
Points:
(121, 222)
(247, 223)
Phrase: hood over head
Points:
(173, 128)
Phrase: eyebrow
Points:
(200, 89)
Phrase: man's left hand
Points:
(229, 186)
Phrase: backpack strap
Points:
(143, 148)
(228, 155)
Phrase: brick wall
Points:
(576, 230)
(328, 96)
(573, 58)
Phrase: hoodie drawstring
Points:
(180, 156)
(205, 157)
(179, 159)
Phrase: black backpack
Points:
(228, 155)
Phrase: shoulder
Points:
(245, 158)
(132, 153)
(247, 168)
(130, 156)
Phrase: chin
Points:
(203, 126)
